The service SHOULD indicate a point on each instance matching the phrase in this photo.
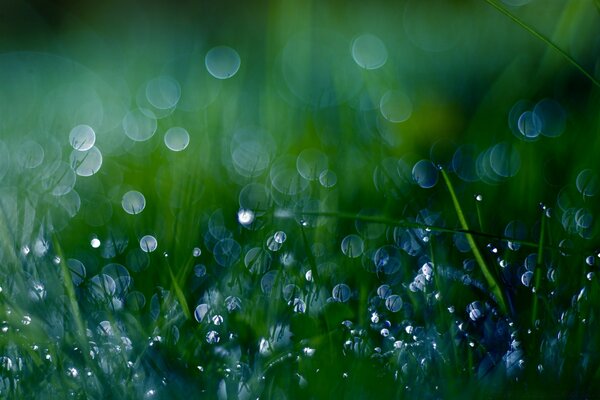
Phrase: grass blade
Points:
(544, 39)
(489, 277)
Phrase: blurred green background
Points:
(273, 203)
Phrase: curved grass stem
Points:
(489, 277)
(544, 39)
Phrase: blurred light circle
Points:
(552, 117)
(310, 163)
(352, 246)
(227, 252)
(139, 125)
(425, 174)
(148, 243)
(177, 139)
(530, 125)
(395, 106)
(393, 303)
(86, 163)
(82, 137)
(341, 292)
(327, 178)
(29, 154)
(587, 182)
(222, 62)
(163, 92)
(505, 160)
(369, 52)
(133, 202)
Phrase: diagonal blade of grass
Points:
(489, 277)
(544, 39)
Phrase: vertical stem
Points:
(538, 273)
(491, 281)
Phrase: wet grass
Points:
(341, 252)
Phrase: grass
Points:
(435, 297)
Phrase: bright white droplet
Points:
(95, 243)
(222, 62)
(245, 217)
(82, 137)
(177, 139)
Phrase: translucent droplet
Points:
(395, 106)
(327, 178)
(199, 270)
(384, 291)
(177, 139)
(77, 271)
(139, 125)
(196, 252)
(82, 137)
(475, 310)
(353, 246)
(133, 202)
(526, 278)
(29, 154)
(393, 303)
(280, 237)
(212, 337)
(311, 163)
(530, 125)
(227, 252)
(222, 62)
(86, 163)
(425, 174)
(369, 52)
(587, 182)
(148, 243)
(341, 292)
(163, 92)
(200, 311)
(95, 243)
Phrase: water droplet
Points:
(163, 92)
(327, 178)
(475, 310)
(82, 137)
(139, 125)
(341, 292)
(222, 62)
(352, 246)
(177, 139)
(245, 217)
(86, 163)
(587, 182)
(393, 303)
(369, 52)
(425, 174)
(280, 237)
(395, 106)
(133, 202)
(148, 243)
